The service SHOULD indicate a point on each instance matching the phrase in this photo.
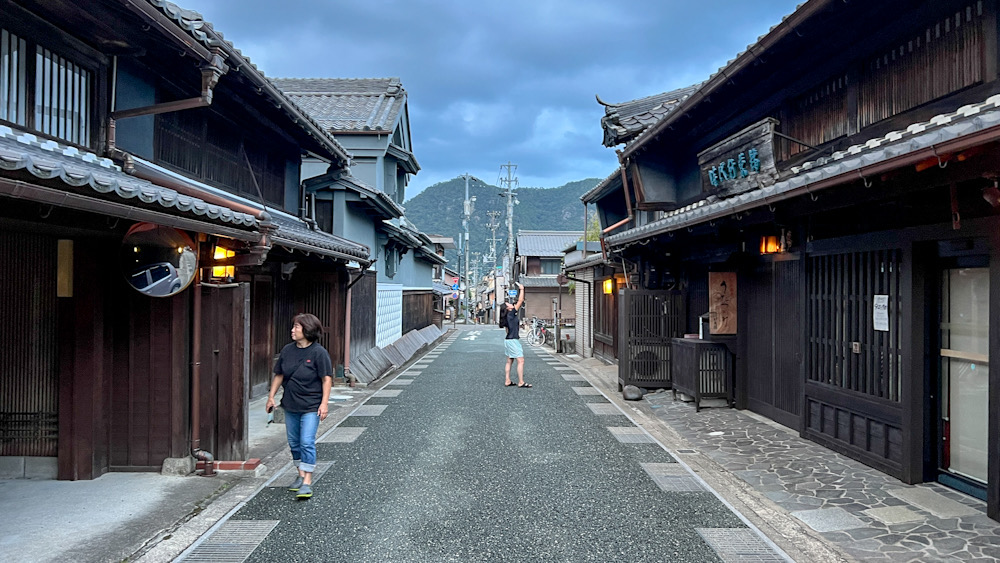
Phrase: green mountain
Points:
(438, 210)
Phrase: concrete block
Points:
(12, 467)
(179, 466)
(41, 467)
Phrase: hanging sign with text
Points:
(742, 162)
(880, 312)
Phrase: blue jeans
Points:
(301, 428)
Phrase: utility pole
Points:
(467, 212)
(492, 226)
(511, 184)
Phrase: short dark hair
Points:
(312, 329)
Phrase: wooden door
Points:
(225, 378)
(774, 340)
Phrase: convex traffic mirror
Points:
(158, 261)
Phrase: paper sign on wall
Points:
(880, 312)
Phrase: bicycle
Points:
(537, 334)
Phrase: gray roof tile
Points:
(545, 243)
(849, 163)
(348, 104)
(49, 160)
(621, 122)
(294, 234)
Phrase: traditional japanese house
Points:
(578, 266)
(147, 170)
(826, 205)
(538, 257)
(370, 117)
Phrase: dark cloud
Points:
(491, 82)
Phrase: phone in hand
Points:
(270, 409)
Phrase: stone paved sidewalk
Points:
(866, 513)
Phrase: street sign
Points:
(512, 292)
(456, 287)
(454, 295)
(454, 281)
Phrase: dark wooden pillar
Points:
(913, 384)
(993, 432)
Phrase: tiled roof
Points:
(441, 289)
(541, 281)
(621, 122)
(348, 104)
(611, 182)
(842, 166)
(48, 160)
(375, 197)
(545, 243)
(194, 24)
(294, 234)
(591, 260)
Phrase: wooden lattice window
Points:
(942, 58)
(47, 93)
(846, 348)
(815, 118)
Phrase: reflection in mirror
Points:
(158, 261)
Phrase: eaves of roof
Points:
(402, 235)
(969, 126)
(405, 157)
(49, 160)
(546, 244)
(589, 262)
(378, 200)
(744, 59)
(194, 24)
(294, 234)
(612, 182)
(622, 121)
(541, 281)
(431, 256)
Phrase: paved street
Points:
(446, 464)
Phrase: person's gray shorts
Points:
(513, 348)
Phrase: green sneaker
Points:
(296, 484)
(305, 491)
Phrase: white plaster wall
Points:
(388, 313)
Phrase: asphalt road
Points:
(458, 467)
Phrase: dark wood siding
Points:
(418, 310)
(29, 347)
(261, 334)
(363, 316)
(149, 377)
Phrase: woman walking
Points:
(512, 342)
(306, 373)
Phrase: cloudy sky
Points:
(500, 80)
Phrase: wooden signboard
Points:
(742, 162)
(722, 302)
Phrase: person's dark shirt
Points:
(513, 324)
(303, 370)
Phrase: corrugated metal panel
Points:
(29, 352)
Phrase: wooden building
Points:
(538, 261)
(842, 173)
(133, 129)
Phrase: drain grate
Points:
(738, 545)
(369, 410)
(586, 390)
(573, 377)
(233, 542)
(603, 409)
(630, 435)
(388, 393)
(289, 474)
(672, 478)
(400, 382)
(344, 434)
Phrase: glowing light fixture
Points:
(223, 271)
(769, 245)
(609, 286)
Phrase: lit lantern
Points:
(609, 286)
(769, 245)
(223, 271)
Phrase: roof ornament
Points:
(603, 103)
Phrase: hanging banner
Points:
(722, 302)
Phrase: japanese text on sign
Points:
(741, 166)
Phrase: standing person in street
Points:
(512, 342)
(305, 371)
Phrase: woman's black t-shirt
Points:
(303, 370)
(513, 324)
